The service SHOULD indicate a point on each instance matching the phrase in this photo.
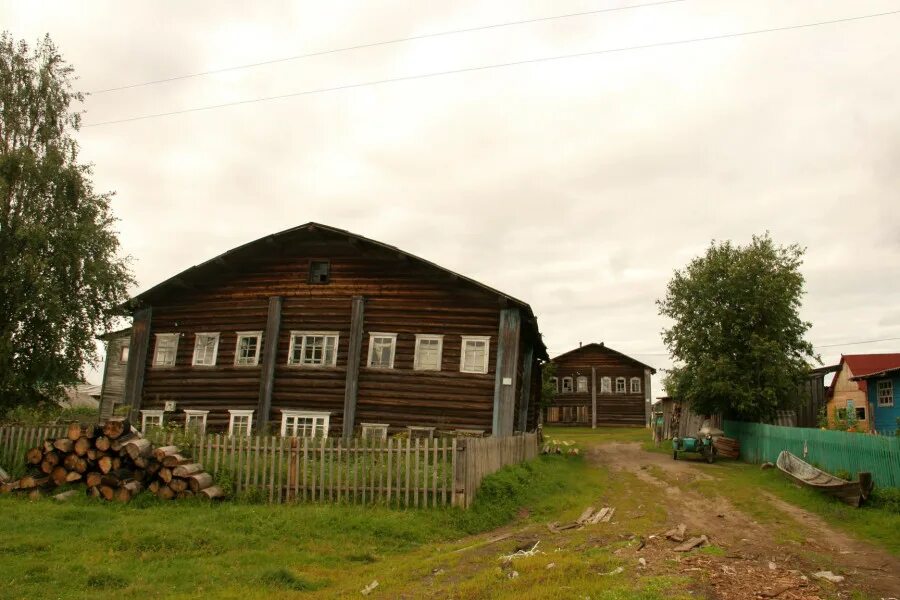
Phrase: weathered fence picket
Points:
(401, 473)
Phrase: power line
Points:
(489, 67)
(382, 43)
(815, 346)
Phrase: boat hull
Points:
(850, 492)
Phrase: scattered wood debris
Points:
(828, 576)
(615, 571)
(692, 543)
(676, 534)
(369, 588)
(522, 553)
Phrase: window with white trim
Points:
(567, 385)
(474, 355)
(313, 348)
(620, 385)
(304, 423)
(246, 351)
(554, 381)
(605, 385)
(429, 351)
(635, 385)
(195, 421)
(240, 422)
(382, 347)
(123, 353)
(886, 393)
(374, 431)
(581, 385)
(166, 348)
(206, 346)
(151, 418)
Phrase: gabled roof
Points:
(225, 263)
(884, 373)
(864, 364)
(602, 346)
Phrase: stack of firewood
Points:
(115, 462)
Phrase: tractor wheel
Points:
(674, 454)
(711, 455)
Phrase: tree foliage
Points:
(548, 387)
(737, 338)
(61, 278)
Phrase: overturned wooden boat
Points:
(851, 492)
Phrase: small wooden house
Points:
(318, 331)
(883, 394)
(848, 392)
(596, 385)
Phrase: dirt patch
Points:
(747, 561)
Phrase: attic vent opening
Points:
(319, 271)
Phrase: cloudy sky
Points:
(578, 185)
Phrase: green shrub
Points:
(886, 498)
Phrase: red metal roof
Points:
(864, 364)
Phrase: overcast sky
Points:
(577, 185)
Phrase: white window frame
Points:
(864, 413)
(307, 334)
(606, 385)
(885, 400)
(152, 414)
(390, 336)
(240, 413)
(215, 352)
(379, 429)
(124, 353)
(160, 337)
(421, 337)
(487, 353)
(571, 386)
(239, 335)
(305, 414)
(189, 414)
(554, 381)
(634, 389)
(578, 381)
(622, 381)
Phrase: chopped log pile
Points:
(115, 462)
(727, 447)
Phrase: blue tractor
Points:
(702, 444)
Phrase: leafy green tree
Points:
(548, 387)
(60, 275)
(737, 338)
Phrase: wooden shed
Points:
(598, 385)
(316, 331)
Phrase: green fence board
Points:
(829, 450)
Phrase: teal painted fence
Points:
(829, 450)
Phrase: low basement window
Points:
(374, 431)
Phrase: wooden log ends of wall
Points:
(269, 356)
(507, 369)
(354, 355)
(139, 348)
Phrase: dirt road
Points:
(755, 562)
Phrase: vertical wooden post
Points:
(593, 397)
(137, 359)
(506, 371)
(458, 475)
(269, 357)
(647, 396)
(527, 364)
(292, 469)
(351, 384)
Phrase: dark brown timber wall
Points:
(401, 296)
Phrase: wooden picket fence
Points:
(393, 472)
(15, 442)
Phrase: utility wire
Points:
(489, 67)
(382, 43)
(819, 346)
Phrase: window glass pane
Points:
(474, 356)
(382, 352)
(165, 349)
(427, 357)
(123, 354)
(581, 382)
(606, 385)
(247, 348)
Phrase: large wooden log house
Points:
(316, 330)
(598, 385)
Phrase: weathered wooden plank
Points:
(506, 372)
(390, 471)
(322, 469)
(406, 479)
(137, 359)
(354, 355)
(525, 397)
(305, 468)
(593, 398)
(272, 470)
(269, 358)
